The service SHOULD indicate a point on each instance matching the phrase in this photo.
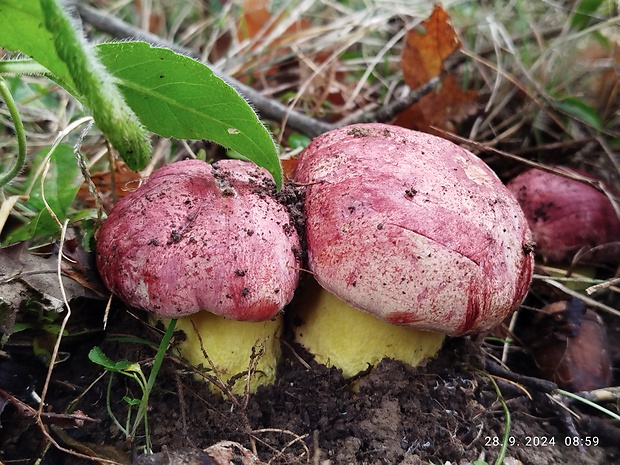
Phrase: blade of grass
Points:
(159, 357)
(507, 423)
(578, 398)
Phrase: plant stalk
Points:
(19, 132)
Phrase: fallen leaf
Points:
(80, 266)
(97, 451)
(183, 456)
(222, 453)
(427, 46)
(288, 167)
(24, 275)
(255, 16)
(603, 82)
(258, 20)
(226, 452)
(110, 188)
(443, 109)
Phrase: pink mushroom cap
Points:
(567, 215)
(413, 229)
(198, 237)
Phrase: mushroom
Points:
(569, 219)
(210, 245)
(570, 346)
(412, 230)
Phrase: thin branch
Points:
(389, 112)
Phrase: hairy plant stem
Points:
(97, 88)
(19, 132)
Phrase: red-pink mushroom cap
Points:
(413, 229)
(197, 237)
(567, 215)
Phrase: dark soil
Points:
(447, 411)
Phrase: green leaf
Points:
(577, 108)
(298, 141)
(173, 95)
(176, 96)
(132, 400)
(41, 225)
(583, 15)
(97, 356)
(61, 185)
(22, 30)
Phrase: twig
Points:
(67, 420)
(566, 416)
(182, 405)
(297, 356)
(610, 284)
(296, 438)
(608, 394)
(591, 302)
(92, 188)
(389, 112)
(541, 385)
(268, 108)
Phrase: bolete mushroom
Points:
(210, 244)
(568, 217)
(570, 346)
(412, 230)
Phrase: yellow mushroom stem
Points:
(342, 336)
(230, 346)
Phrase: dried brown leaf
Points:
(426, 48)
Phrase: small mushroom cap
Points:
(566, 215)
(571, 348)
(413, 229)
(197, 237)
